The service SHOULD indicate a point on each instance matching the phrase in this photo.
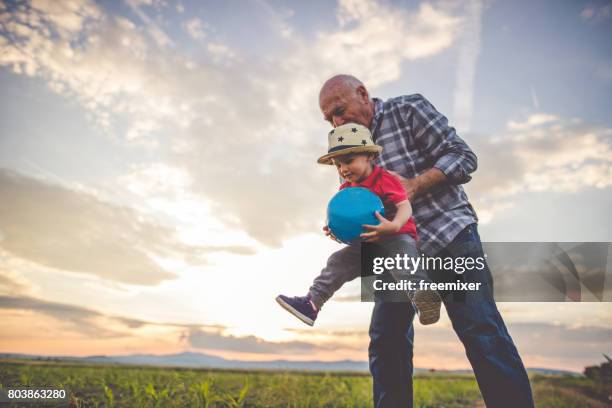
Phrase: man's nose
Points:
(338, 121)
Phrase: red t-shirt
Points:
(391, 192)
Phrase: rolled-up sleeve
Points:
(439, 141)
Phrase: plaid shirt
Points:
(416, 137)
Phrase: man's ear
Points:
(362, 92)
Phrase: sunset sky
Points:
(158, 176)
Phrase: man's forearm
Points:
(430, 179)
(424, 182)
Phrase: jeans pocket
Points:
(471, 232)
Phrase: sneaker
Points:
(300, 307)
(427, 304)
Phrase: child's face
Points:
(354, 167)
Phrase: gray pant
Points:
(345, 265)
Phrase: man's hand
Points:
(420, 184)
(328, 232)
(410, 185)
(376, 232)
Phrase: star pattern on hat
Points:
(354, 130)
(340, 139)
(363, 142)
(332, 132)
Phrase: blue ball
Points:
(351, 208)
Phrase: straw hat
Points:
(349, 138)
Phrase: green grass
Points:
(126, 386)
(571, 392)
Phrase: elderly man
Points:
(432, 162)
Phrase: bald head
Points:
(343, 99)
(342, 82)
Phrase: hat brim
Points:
(356, 149)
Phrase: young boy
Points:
(352, 151)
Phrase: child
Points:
(352, 151)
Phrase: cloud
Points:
(67, 18)
(534, 98)
(195, 28)
(12, 283)
(155, 179)
(160, 37)
(251, 344)
(596, 13)
(41, 31)
(75, 231)
(269, 182)
(90, 322)
(543, 153)
(352, 334)
(469, 48)
(562, 344)
(230, 120)
(532, 121)
(220, 51)
(58, 310)
(78, 319)
(104, 64)
(540, 344)
(276, 17)
(375, 38)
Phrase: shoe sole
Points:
(294, 312)
(428, 303)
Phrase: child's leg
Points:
(427, 302)
(402, 245)
(342, 266)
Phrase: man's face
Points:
(341, 105)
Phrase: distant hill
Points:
(551, 371)
(201, 360)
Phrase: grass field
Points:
(125, 386)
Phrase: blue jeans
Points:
(496, 363)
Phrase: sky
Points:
(158, 176)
